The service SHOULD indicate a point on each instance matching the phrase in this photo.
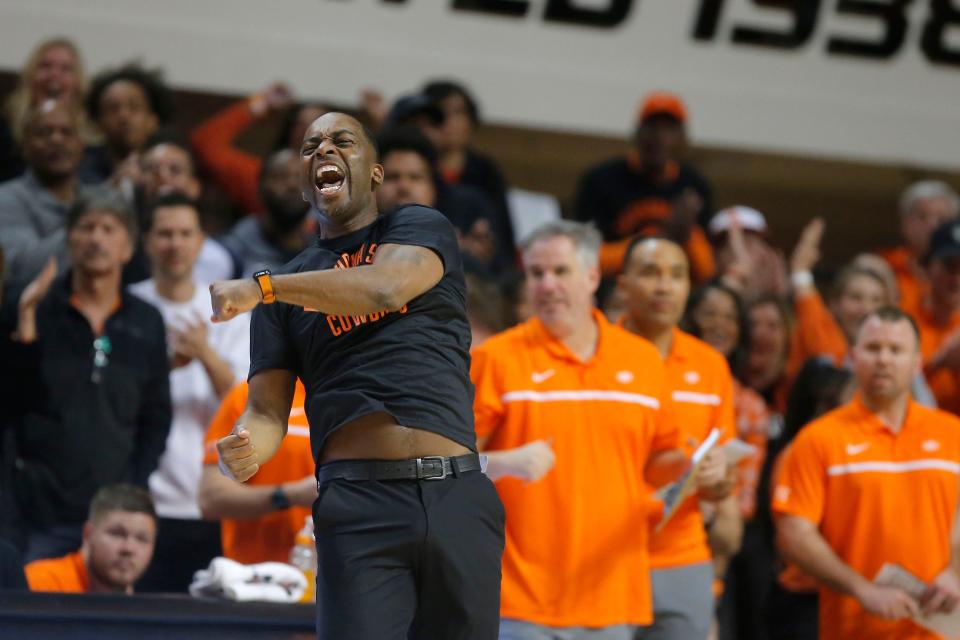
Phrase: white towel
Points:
(267, 581)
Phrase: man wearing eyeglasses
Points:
(85, 380)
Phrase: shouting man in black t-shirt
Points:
(371, 317)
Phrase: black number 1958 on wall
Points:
(890, 15)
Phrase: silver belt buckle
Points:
(439, 459)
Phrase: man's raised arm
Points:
(399, 274)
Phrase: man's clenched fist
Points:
(238, 458)
(230, 298)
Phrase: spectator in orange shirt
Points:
(656, 283)
(261, 517)
(939, 317)
(875, 482)
(651, 191)
(881, 268)
(824, 331)
(118, 540)
(924, 206)
(574, 415)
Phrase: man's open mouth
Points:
(329, 178)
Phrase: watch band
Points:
(279, 499)
(265, 282)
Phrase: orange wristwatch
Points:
(266, 286)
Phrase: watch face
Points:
(279, 499)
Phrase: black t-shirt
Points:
(622, 203)
(413, 363)
(464, 205)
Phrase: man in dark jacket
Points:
(85, 380)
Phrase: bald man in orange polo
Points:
(875, 482)
(656, 283)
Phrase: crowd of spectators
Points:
(115, 378)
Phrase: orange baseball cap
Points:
(661, 103)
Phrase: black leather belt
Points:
(425, 468)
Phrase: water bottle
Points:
(303, 556)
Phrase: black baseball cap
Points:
(411, 106)
(945, 241)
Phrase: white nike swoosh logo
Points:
(854, 449)
(540, 377)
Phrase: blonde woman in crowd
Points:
(54, 70)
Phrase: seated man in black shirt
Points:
(372, 319)
(650, 191)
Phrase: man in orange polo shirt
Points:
(871, 483)
(261, 517)
(118, 540)
(656, 283)
(924, 206)
(569, 384)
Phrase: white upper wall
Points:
(531, 71)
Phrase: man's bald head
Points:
(368, 135)
(51, 141)
(339, 171)
(44, 110)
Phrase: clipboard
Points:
(674, 494)
(946, 624)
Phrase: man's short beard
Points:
(102, 578)
(283, 216)
(344, 211)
